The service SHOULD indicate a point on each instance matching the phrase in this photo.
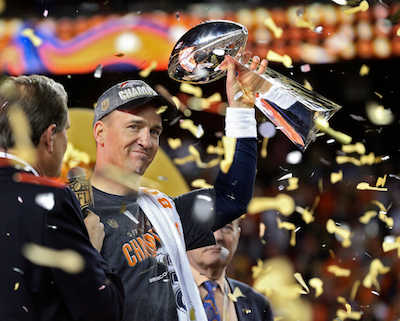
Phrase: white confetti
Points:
(98, 72)
(294, 157)
(45, 200)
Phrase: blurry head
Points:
(127, 126)
(44, 102)
(219, 255)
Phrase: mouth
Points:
(214, 248)
(141, 153)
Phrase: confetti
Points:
(174, 143)
(264, 147)
(197, 131)
(392, 245)
(378, 115)
(270, 24)
(218, 150)
(307, 85)
(343, 233)
(192, 90)
(261, 230)
(236, 294)
(45, 13)
(161, 110)
(285, 59)
(147, 71)
(285, 225)
(98, 72)
(368, 215)
(294, 157)
(323, 125)
(354, 290)
(201, 183)
(385, 219)
(204, 103)
(293, 184)
(381, 181)
(356, 148)
(363, 6)
(305, 68)
(398, 32)
(300, 279)
(45, 200)
(340, 2)
(16, 286)
(171, 99)
(66, 260)
(306, 215)
(364, 186)
(348, 314)
(364, 70)
(378, 94)
(30, 34)
(282, 203)
(303, 23)
(229, 144)
(338, 271)
(317, 284)
(336, 177)
(375, 269)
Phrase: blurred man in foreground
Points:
(209, 265)
(40, 218)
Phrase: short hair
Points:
(43, 101)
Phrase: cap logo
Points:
(105, 104)
(133, 92)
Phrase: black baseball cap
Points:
(128, 94)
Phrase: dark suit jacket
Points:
(40, 211)
(253, 306)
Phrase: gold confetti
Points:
(338, 271)
(16, 286)
(292, 238)
(380, 206)
(303, 23)
(147, 71)
(336, 177)
(195, 156)
(285, 59)
(300, 279)
(341, 232)
(390, 246)
(258, 270)
(235, 295)
(317, 284)
(270, 24)
(201, 183)
(375, 269)
(378, 94)
(30, 34)
(368, 215)
(381, 181)
(364, 186)
(348, 314)
(306, 215)
(385, 219)
(293, 184)
(346, 159)
(229, 144)
(398, 32)
(282, 203)
(363, 6)
(176, 101)
(197, 131)
(307, 85)
(161, 110)
(174, 143)
(184, 160)
(354, 290)
(364, 70)
(323, 125)
(320, 185)
(204, 103)
(264, 147)
(285, 225)
(219, 149)
(66, 260)
(356, 148)
(192, 90)
(378, 114)
(171, 99)
(192, 314)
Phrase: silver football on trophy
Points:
(290, 106)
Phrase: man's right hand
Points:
(95, 229)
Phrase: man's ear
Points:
(99, 130)
(47, 138)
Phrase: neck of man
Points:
(213, 272)
(108, 185)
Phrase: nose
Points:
(145, 138)
(218, 236)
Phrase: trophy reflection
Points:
(196, 59)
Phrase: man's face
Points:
(131, 138)
(220, 254)
(60, 146)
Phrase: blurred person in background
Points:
(209, 265)
(39, 211)
(147, 233)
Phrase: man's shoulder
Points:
(247, 290)
(28, 178)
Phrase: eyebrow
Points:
(142, 122)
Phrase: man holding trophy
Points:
(148, 233)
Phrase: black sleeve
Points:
(95, 293)
(234, 190)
